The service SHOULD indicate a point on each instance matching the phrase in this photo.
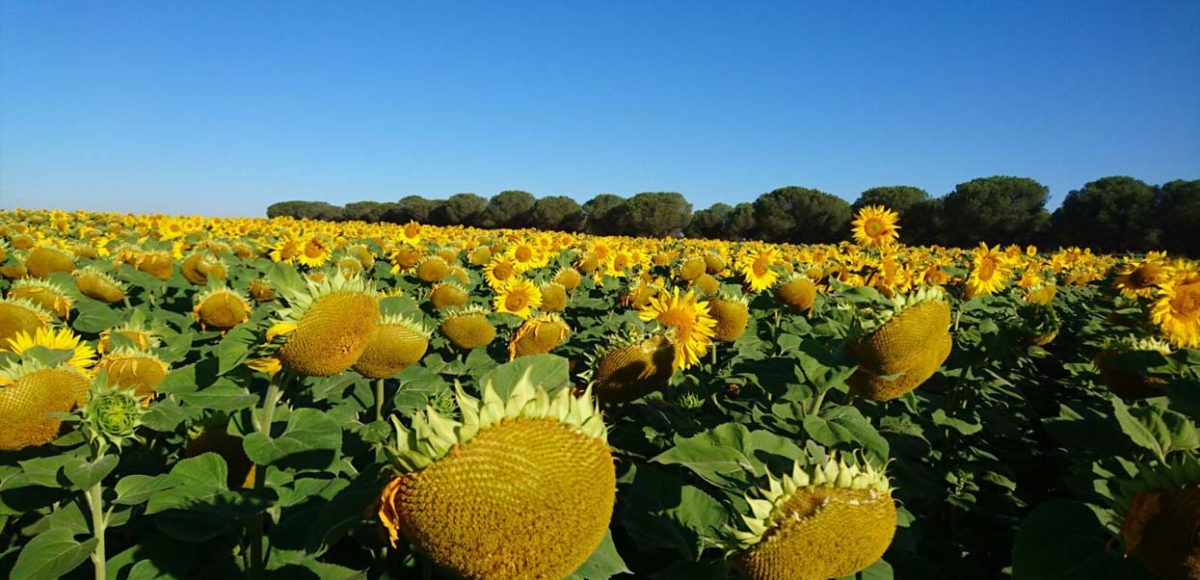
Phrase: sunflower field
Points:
(187, 397)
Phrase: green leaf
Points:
(84, 474)
(1064, 540)
(604, 562)
(135, 489)
(310, 441)
(547, 371)
(94, 317)
(204, 470)
(1159, 430)
(51, 554)
(234, 347)
(847, 429)
(286, 281)
(719, 456)
(223, 395)
(660, 510)
(964, 427)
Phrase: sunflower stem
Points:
(714, 355)
(263, 425)
(816, 406)
(94, 497)
(379, 400)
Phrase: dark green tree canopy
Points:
(598, 213)
(998, 209)
(464, 209)
(410, 208)
(1177, 215)
(556, 212)
(897, 198)
(741, 224)
(366, 211)
(508, 209)
(801, 215)
(653, 214)
(313, 210)
(709, 223)
(1108, 215)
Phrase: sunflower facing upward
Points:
(989, 272)
(519, 297)
(876, 226)
(1176, 311)
(756, 268)
(82, 356)
(690, 321)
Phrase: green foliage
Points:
(598, 213)
(464, 209)
(1177, 215)
(898, 198)
(508, 209)
(997, 209)
(653, 214)
(801, 215)
(556, 213)
(1108, 215)
(710, 223)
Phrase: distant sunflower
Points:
(1176, 311)
(690, 320)
(499, 271)
(989, 272)
(82, 355)
(286, 250)
(875, 225)
(519, 297)
(314, 253)
(1136, 279)
(756, 268)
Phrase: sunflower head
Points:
(691, 269)
(554, 297)
(462, 500)
(1139, 278)
(112, 413)
(432, 269)
(758, 268)
(19, 315)
(326, 326)
(519, 297)
(261, 290)
(538, 335)
(398, 342)
(1162, 518)
(48, 375)
(43, 261)
(1176, 310)
(896, 337)
(713, 263)
(731, 312)
(1039, 323)
(569, 278)
(467, 328)
(136, 369)
(689, 320)
(633, 366)
(480, 256)
(220, 308)
(447, 295)
(706, 284)
(158, 264)
(134, 332)
(798, 293)
(831, 516)
(1116, 362)
(99, 285)
(875, 226)
(199, 266)
(49, 295)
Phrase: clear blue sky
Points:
(225, 107)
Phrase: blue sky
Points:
(223, 108)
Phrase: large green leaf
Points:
(51, 554)
(310, 441)
(1064, 540)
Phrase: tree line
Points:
(1111, 214)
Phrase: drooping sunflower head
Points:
(1039, 322)
(261, 290)
(875, 226)
(99, 285)
(158, 264)
(797, 292)
(49, 374)
(432, 269)
(220, 308)
(199, 266)
(398, 342)
(20, 315)
(518, 297)
(327, 326)
(538, 335)
(1162, 517)
(1138, 278)
(45, 260)
(832, 516)
(447, 294)
(139, 370)
(731, 313)
(633, 366)
(691, 269)
(467, 328)
(463, 501)
(690, 321)
(49, 295)
(133, 334)
(1176, 311)
(569, 278)
(904, 334)
(554, 297)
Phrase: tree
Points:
(556, 212)
(366, 211)
(313, 210)
(653, 214)
(463, 209)
(801, 215)
(921, 224)
(998, 209)
(1110, 214)
(508, 209)
(709, 223)
(1177, 215)
(741, 224)
(897, 198)
(412, 208)
(598, 212)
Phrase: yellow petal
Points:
(280, 328)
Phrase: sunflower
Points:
(690, 320)
(876, 226)
(314, 253)
(499, 271)
(49, 295)
(286, 250)
(1176, 311)
(82, 356)
(518, 297)
(18, 315)
(1138, 279)
(756, 268)
(989, 272)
